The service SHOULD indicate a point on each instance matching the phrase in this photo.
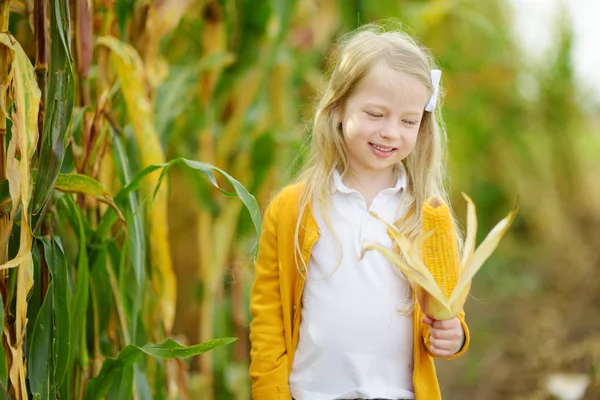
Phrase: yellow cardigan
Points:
(275, 305)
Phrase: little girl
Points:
(328, 324)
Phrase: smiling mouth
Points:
(385, 149)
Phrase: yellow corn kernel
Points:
(439, 251)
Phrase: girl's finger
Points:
(445, 334)
(445, 345)
(439, 352)
(446, 323)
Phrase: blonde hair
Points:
(355, 54)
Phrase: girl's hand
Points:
(446, 337)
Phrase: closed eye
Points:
(410, 122)
(373, 115)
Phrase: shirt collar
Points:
(337, 185)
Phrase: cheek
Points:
(411, 137)
(357, 128)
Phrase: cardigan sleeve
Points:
(269, 359)
(463, 349)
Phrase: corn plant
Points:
(87, 284)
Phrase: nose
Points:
(391, 131)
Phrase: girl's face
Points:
(381, 120)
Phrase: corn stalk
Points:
(96, 281)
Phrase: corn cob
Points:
(441, 277)
(439, 248)
(439, 254)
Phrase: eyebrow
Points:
(414, 113)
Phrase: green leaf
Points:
(134, 222)
(124, 10)
(248, 199)
(72, 183)
(127, 289)
(34, 303)
(4, 190)
(112, 368)
(59, 108)
(208, 170)
(101, 291)
(41, 368)
(142, 387)
(77, 183)
(78, 306)
(170, 349)
(123, 389)
(160, 382)
(57, 264)
(3, 394)
(136, 239)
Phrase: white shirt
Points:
(354, 341)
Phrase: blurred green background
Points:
(233, 83)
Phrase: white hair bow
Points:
(436, 76)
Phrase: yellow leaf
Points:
(470, 241)
(26, 98)
(483, 252)
(417, 275)
(130, 72)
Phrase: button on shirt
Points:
(354, 339)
